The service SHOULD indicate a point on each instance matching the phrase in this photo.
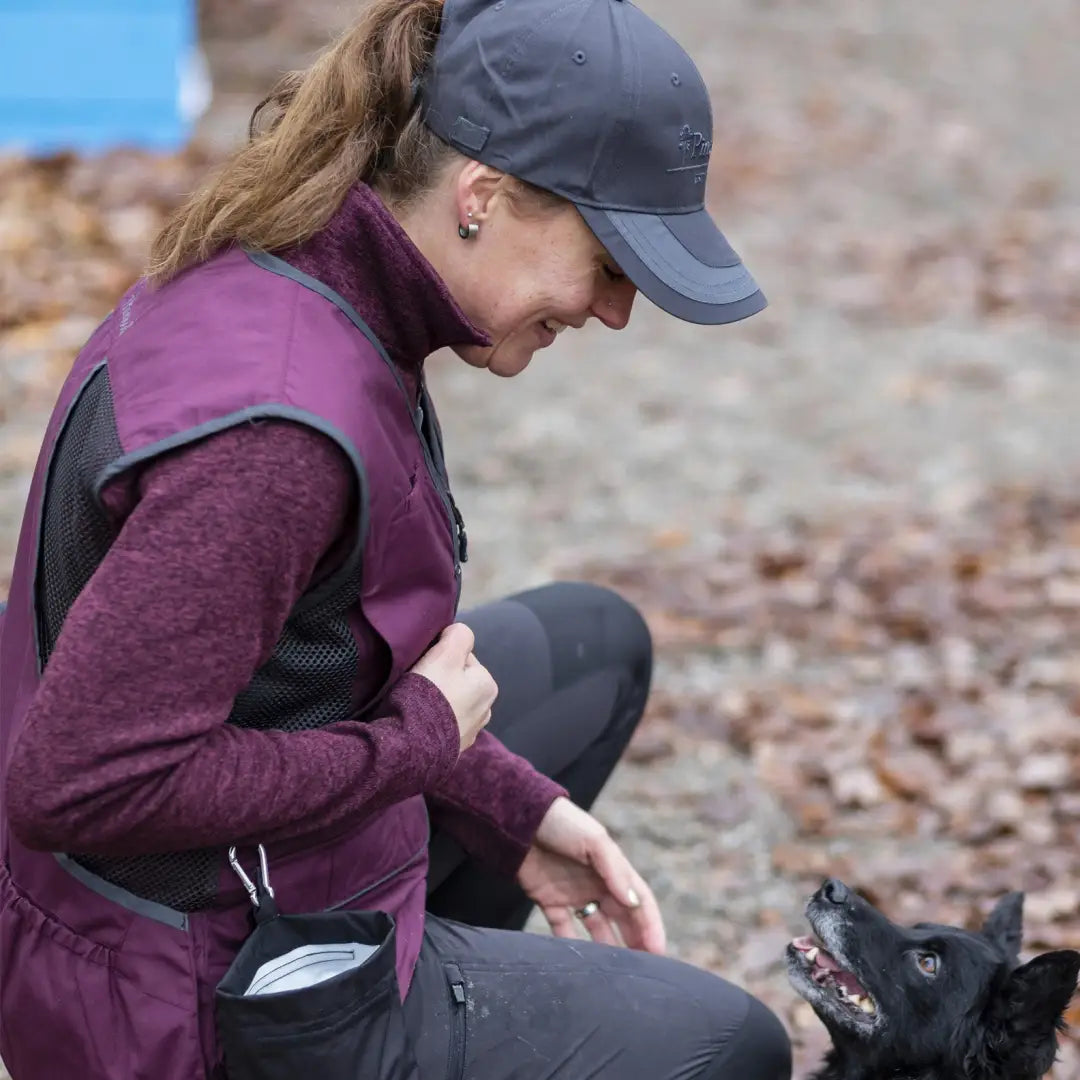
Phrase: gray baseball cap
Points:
(592, 100)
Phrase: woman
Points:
(232, 618)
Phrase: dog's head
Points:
(930, 1000)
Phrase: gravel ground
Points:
(902, 180)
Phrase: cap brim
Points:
(681, 262)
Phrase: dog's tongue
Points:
(823, 963)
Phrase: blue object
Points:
(88, 75)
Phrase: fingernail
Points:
(632, 898)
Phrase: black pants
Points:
(489, 1002)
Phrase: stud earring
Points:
(468, 232)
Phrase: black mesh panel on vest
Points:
(307, 682)
(75, 533)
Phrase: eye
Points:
(927, 963)
(613, 273)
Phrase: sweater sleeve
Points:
(125, 748)
(492, 803)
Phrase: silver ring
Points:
(586, 912)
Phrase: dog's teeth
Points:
(866, 1005)
(811, 955)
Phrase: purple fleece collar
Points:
(367, 257)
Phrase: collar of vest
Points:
(367, 257)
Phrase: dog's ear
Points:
(1004, 925)
(1029, 1009)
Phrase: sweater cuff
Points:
(493, 803)
(534, 808)
(431, 723)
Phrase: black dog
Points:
(930, 1002)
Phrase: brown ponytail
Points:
(349, 117)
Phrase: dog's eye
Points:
(927, 962)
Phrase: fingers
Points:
(471, 738)
(615, 870)
(457, 640)
(600, 927)
(561, 922)
(636, 911)
(643, 927)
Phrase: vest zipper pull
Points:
(463, 539)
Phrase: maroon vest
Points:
(107, 966)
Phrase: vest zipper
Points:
(276, 265)
(459, 541)
(463, 536)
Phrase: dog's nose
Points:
(835, 892)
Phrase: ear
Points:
(1004, 925)
(474, 189)
(1036, 995)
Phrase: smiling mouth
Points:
(823, 970)
(553, 326)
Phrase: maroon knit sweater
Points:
(126, 749)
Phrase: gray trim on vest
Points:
(265, 412)
(305, 684)
(280, 267)
(148, 908)
(410, 862)
(276, 265)
(166, 885)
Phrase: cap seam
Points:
(630, 75)
(531, 31)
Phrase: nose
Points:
(835, 892)
(614, 304)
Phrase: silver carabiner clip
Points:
(250, 887)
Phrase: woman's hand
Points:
(465, 683)
(574, 862)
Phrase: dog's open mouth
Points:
(830, 976)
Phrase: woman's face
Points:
(532, 277)
(529, 274)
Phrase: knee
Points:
(591, 628)
(627, 637)
(759, 1050)
(633, 638)
(577, 612)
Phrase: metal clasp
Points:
(256, 892)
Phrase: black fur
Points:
(980, 1015)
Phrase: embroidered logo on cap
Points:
(694, 151)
